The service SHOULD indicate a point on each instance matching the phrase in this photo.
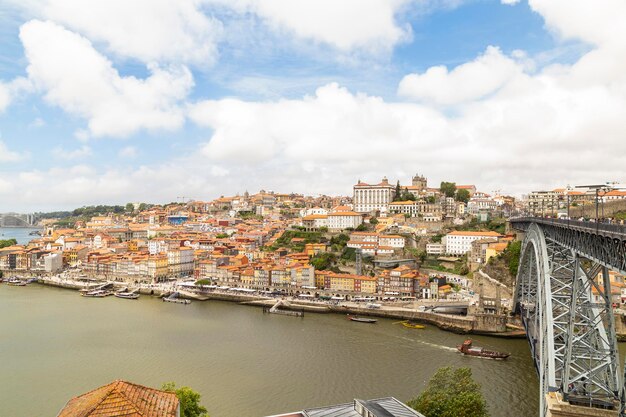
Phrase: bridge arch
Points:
(568, 317)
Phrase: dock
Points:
(174, 298)
(275, 310)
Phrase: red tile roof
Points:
(122, 399)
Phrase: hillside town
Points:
(391, 241)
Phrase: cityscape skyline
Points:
(99, 109)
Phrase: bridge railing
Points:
(590, 226)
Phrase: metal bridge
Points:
(563, 295)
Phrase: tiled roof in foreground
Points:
(122, 399)
(382, 407)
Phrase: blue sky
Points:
(245, 95)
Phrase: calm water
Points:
(21, 234)
(55, 344)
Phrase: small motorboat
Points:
(411, 325)
(16, 282)
(131, 295)
(467, 349)
(362, 319)
(96, 294)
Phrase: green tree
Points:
(130, 207)
(143, 206)
(451, 393)
(448, 188)
(430, 199)
(189, 400)
(462, 195)
(323, 260)
(361, 227)
(397, 194)
(7, 242)
(203, 282)
(373, 220)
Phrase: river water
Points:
(21, 234)
(55, 344)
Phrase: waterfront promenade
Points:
(394, 310)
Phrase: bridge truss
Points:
(567, 310)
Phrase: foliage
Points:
(462, 195)
(248, 215)
(448, 188)
(451, 393)
(620, 215)
(397, 195)
(436, 238)
(221, 235)
(349, 254)
(374, 220)
(7, 242)
(340, 240)
(189, 400)
(407, 196)
(289, 235)
(511, 254)
(430, 199)
(203, 282)
(361, 228)
(323, 229)
(129, 207)
(323, 260)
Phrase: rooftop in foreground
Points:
(382, 407)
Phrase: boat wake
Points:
(429, 344)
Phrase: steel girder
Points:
(572, 338)
(608, 248)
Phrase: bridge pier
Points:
(557, 407)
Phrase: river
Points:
(21, 234)
(55, 344)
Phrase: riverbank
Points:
(451, 323)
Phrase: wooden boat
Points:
(362, 319)
(410, 325)
(127, 295)
(467, 349)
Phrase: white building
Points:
(369, 197)
(344, 220)
(393, 241)
(53, 262)
(435, 248)
(460, 242)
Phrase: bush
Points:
(451, 393)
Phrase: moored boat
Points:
(128, 295)
(467, 349)
(411, 325)
(96, 294)
(362, 319)
(16, 282)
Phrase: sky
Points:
(116, 101)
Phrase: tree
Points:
(430, 199)
(130, 207)
(397, 194)
(7, 242)
(373, 220)
(189, 400)
(462, 195)
(451, 393)
(143, 206)
(448, 188)
(361, 227)
(323, 260)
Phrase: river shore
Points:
(453, 323)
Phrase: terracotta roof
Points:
(122, 399)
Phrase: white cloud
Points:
(470, 81)
(6, 155)
(148, 30)
(4, 97)
(77, 78)
(509, 2)
(128, 152)
(79, 153)
(368, 25)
